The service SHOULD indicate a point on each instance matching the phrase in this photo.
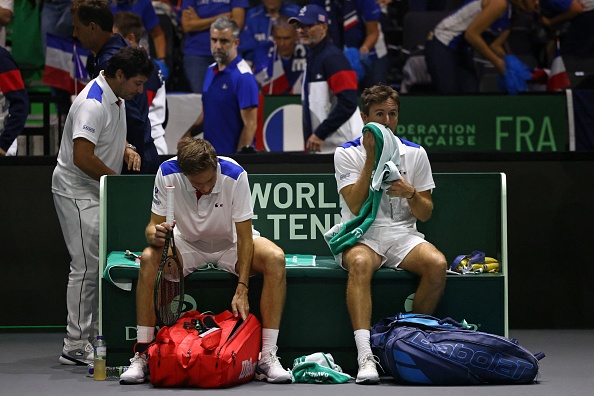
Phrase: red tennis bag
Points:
(205, 351)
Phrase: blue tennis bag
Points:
(422, 349)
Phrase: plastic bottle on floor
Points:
(111, 372)
(99, 367)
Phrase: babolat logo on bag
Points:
(421, 349)
(467, 354)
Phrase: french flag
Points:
(558, 78)
(282, 129)
(65, 63)
(271, 76)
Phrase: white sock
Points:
(269, 338)
(363, 341)
(145, 334)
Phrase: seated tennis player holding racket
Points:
(213, 226)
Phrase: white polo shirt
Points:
(210, 219)
(349, 160)
(95, 116)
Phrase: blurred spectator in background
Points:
(259, 20)
(56, 19)
(354, 26)
(230, 99)
(572, 21)
(329, 98)
(14, 104)
(279, 69)
(477, 25)
(93, 27)
(145, 9)
(6, 12)
(196, 18)
(129, 26)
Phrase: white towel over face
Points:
(389, 160)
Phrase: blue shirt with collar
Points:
(226, 93)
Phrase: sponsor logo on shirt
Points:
(218, 205)
(88, 129)
(345, 176)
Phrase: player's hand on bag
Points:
(240, 304)
(132, 158)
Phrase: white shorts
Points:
(392, 244)
(203, 255)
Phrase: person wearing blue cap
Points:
(329, 94)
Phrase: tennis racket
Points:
(169, 285)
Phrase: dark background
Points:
(550, 217)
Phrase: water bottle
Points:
(396, 208)
(99, 368)
(111, 372)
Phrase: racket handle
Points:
(169, 214)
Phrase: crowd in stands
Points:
(177, 32)
(469, 38)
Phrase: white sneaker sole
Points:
(279, 380)
(367, 381)
(134, 381)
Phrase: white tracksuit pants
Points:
(79, 219)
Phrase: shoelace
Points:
(272, 359)
(137, 357)
(370, 359)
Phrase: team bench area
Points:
(294, 210)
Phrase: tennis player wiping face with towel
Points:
(392, 240)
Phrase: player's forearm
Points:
(356, 194)
(93, 167)
(245, 254)
(421, 205)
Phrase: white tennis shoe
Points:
(367, 373)
(138, 370)
(270, 370)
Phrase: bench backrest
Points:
(295, 210)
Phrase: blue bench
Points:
(294, 210)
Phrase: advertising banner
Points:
(524, 123)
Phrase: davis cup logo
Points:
(283, 129)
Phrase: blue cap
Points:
(310, 15)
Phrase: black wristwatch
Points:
(133, 147)
(247, 150)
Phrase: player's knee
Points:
(435, 268)
(274, 263)
(149, 260)
(359, 267)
